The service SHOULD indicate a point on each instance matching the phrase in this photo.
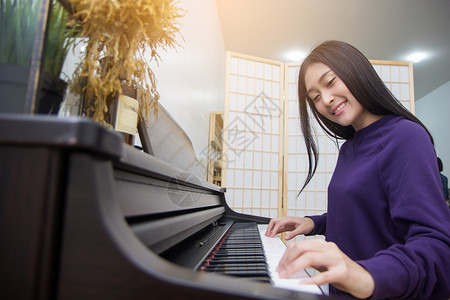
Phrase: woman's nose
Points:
(327, 98)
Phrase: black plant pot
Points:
(13, 89)
(51, 94)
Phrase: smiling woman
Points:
(391, 200)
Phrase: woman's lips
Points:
(337, 110)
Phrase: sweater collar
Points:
(374, 126)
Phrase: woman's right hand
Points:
(296, 226)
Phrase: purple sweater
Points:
(387, 212)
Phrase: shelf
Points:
(215, 147)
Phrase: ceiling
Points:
(381, 29)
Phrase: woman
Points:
(387, 225)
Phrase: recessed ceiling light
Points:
(417, 56)
(295, 55)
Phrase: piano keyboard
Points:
(274, 249)
(239, 254)
(247, 252)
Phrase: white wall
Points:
(191, 79)
(434, 111)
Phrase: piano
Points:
(84, 216)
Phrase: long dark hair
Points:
(361, 79)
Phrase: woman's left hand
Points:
(336, 268)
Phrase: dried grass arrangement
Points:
(128, 34)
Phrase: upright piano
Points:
(84, 216)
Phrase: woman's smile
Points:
(337, 110)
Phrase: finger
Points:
(308, 259)
(321, 278)
(297, 231)
(303, 254)
(298, 248)
(285, 225)
(273, 227)
(270, 226)
(293, 252)
(276, 226)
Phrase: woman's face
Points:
(333, 100)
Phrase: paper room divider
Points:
(265, 160)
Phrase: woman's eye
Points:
(330, 83)
(316, 98)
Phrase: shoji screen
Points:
(253, 135)
(398, 77)
(266, 160)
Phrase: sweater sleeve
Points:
(417, 266)
(320, 224)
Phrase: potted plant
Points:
(18, 22)
(123, 38)
(61, 35)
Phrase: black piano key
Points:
(240, 254)
(237, 246)
(241, 242)
(243, 255)
(234, 248)
(243, 272)
(246, 273)
(238, 269)
(249, 249)
(244, 234)
(241, 259)
(236, 266)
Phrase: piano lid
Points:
(75, 132)
(170, 143)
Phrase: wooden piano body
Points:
(84, 216)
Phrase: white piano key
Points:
(274, 249)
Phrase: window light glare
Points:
(295, 55)
(417, 56)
